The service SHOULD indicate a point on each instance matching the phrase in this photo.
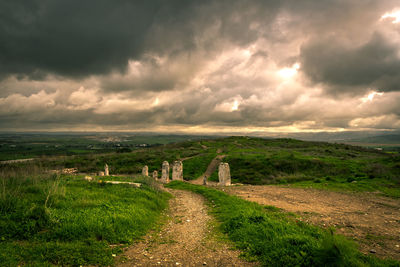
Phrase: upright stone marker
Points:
(177, 170)
(165, 172)
(145, 171)
(106, 171)
(155, 175)
(224, 174)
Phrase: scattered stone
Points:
(88, 178)
(177, 170)
(204, 263)
(145, 171)
(155, 175)
(122, 182)
(69, 170)
(101, 173)
(106, 171)
(224, 174)
(165, 172)
(372, 251)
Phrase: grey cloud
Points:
(75, 38)
(372, 65)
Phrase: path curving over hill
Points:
(185, 240)
(210, 169)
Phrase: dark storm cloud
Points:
(79, 38)
(72, 37)
(375, 64)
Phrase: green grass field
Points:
(65, 220)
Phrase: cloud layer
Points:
(195, 66)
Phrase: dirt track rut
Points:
(187, 239)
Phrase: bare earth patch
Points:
(372, 220)
(187, 239)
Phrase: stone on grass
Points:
(177, 170)
(145, 171)
(106, 171)
(155, 175)
(165, 172)
(224, 174)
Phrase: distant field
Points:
(28, 145)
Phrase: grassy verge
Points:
(52, 220)
(277, 239)
(381, 186)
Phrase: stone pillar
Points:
(145, 171)
(177, 170)
(165, 172)
(106, 171)
(224, 174)
(155, 175)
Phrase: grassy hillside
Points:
(258, 161)
(64, 220)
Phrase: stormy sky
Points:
(200, 66)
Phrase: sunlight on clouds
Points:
(383, 121)
(288, 73)
(393, 16)
(371, 96)
(229, 105)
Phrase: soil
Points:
(372, 220)
(188, 238)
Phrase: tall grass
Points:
(65, 220)
(275, 238)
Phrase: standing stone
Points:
(165, 172)
(101, 173)
(224, 174)
(106, 171)
(155, 175)
(177, 170)
(205, 180)
(145, 171)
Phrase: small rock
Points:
(372, 251)
(177, 263)
(397, 246)
(114, 255)
(204, 263)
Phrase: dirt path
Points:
(372, 220)
(187, 239)
(210, 169)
